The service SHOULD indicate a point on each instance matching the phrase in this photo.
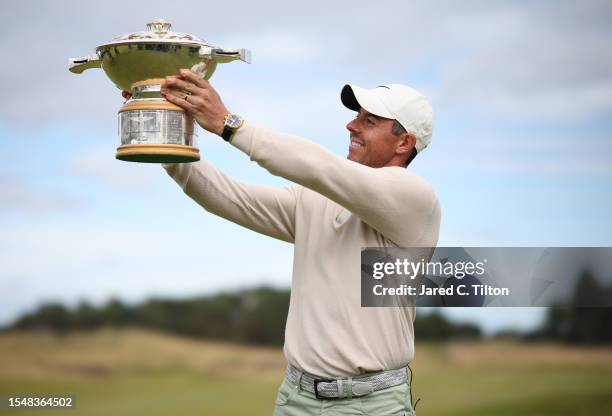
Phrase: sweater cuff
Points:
(244, 138)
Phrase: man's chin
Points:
(353, 156)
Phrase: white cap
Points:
(397, 102)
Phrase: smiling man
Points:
(342, 358)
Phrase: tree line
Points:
(252, 316)
(258, 316)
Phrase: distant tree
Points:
(264, 312)
(581, 324)
(48, 316)
(435, 327)
(87, 317)
(115, 313)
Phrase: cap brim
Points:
(354, 98)
(348, 98)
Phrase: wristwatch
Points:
(232, 123)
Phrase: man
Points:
(343, 359)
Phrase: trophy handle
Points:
(223, 56)
(78, 65)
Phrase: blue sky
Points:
(520, 156)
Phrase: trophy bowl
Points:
(151, 129)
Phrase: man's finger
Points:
(181, 100)
(195, 78)
(177, 83)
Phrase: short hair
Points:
(398, 129)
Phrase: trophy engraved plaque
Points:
(151, 129)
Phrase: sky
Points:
(520, 154)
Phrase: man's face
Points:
(372, 140)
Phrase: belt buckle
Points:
(316, 389)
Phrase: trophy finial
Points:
(159, 26)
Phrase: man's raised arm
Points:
(265, 209)
(392, 200)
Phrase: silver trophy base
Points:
(155, 131)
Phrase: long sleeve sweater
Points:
(335, 208)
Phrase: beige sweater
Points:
(336, 207)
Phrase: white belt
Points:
(338, 388)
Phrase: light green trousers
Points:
(293, 401)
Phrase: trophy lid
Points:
(158, 31)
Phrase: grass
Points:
(154, 392)
(137, 372)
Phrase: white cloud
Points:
(18, 195)
(280, 46)
(531, 62)
(520, 59)
(101, 166)
(568, 167)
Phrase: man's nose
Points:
(352, 126)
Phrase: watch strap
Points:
(227, 134)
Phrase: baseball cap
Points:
(395, 101)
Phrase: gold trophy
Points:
(151, 129)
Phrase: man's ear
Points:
(407, 143)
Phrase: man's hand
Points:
(198, 97)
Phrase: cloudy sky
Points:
(521, 152)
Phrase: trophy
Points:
(151, 129)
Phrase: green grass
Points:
(523, 391)
(134, 372)
(597, 403)
(154, 392)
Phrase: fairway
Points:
(137, 372)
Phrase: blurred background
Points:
(113, 281)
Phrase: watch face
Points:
(233, 121)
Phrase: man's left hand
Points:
(196, 96)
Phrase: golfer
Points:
(342, 359)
